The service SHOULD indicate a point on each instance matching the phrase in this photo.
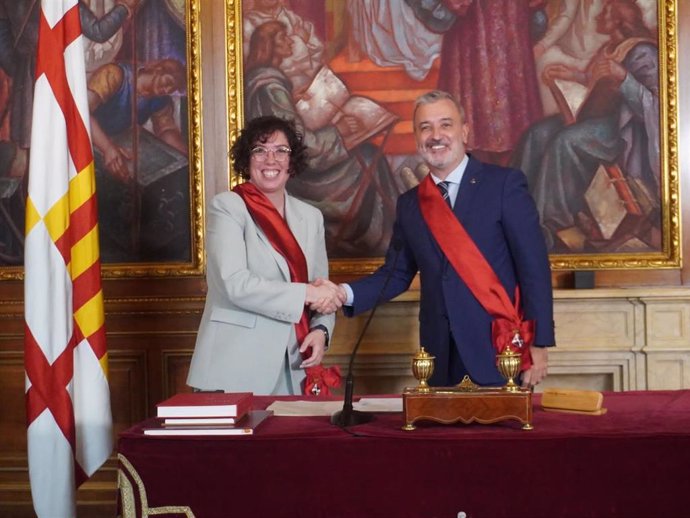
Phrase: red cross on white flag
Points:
(67, 397)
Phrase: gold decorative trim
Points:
(154, 313)
(128, 495)
(670, 256)
(197, 264)
(153, 300)
(11, 273)
(467, 385)
(195, 168)
(235, 75)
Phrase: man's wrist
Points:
(350, 299)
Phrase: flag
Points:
(69, 430)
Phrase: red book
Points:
(245, 426)
(177, 421)
(206, 404)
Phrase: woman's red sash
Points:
(508, 328)
(284, 242)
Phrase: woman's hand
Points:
(324, 297)
(316, 339)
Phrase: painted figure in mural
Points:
(617, 124)
(571, 39)
(19, 34)
(389, 33)
(353, 188)
(141, 161)
(111, 91)
(307, 49)
(19, 20)
(487, 62)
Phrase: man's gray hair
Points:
(435, 96)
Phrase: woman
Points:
(264, 246)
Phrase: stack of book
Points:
(207, 413)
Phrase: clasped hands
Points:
(324, 296)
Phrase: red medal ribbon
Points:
(473, 268)
(283, 241)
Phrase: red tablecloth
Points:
(632, 461)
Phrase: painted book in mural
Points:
(327, 100)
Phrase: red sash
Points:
(508, 328)
(283, 241)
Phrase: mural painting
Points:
(136, 59)
(572, 92)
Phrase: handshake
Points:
(324, 296)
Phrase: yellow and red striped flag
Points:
(67, 397)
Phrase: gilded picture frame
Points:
(661, 251)
(151, 225)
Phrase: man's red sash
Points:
(283, 241)
(508, 327)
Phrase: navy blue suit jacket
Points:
(497, 211)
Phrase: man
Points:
(498, 215)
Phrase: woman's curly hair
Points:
(257, 131)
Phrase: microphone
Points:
(348, 416)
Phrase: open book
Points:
(609, 196)
(327, 100)
(577, 101)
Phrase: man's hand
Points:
(537, 372)
(323, 296)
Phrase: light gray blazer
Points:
(251, 305)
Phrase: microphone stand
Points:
(348, 416)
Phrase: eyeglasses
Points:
(280, 153)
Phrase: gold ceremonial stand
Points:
(467, 402)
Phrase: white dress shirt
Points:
(453, 179)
